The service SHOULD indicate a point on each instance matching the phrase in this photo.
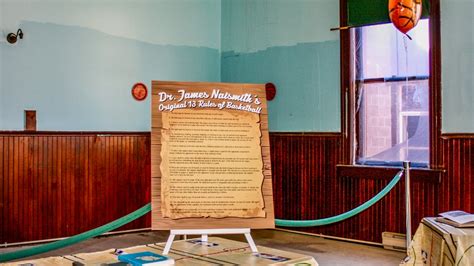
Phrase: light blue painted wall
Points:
(79, 59)
(457, 66)
(288, 43)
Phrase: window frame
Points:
(348, 120)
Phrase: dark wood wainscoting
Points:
(457, 190)
(60, 184)
(303, 168)
(306, 186)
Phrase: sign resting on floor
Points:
(210, 156)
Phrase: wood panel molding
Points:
(307, 134)
(81, 133)
(359, 171)
(447, 136)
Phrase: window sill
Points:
(386, 172)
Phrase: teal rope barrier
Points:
(147, 208)
(77, 238)
(343, 216)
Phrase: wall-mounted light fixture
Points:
(12, 37)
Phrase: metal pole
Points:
(406, 165)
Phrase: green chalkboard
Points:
(370, 12)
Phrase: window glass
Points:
(392, 95)
(382, 51)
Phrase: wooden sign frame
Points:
(161, 223)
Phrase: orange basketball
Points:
(404, 14)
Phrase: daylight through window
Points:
(392, 92)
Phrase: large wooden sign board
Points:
(210, 156)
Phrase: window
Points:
(391, 103)
(412, 94)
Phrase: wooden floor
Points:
(325, 251)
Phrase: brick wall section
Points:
(377, 135)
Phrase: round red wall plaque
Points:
(270, 90)
(139, 91)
